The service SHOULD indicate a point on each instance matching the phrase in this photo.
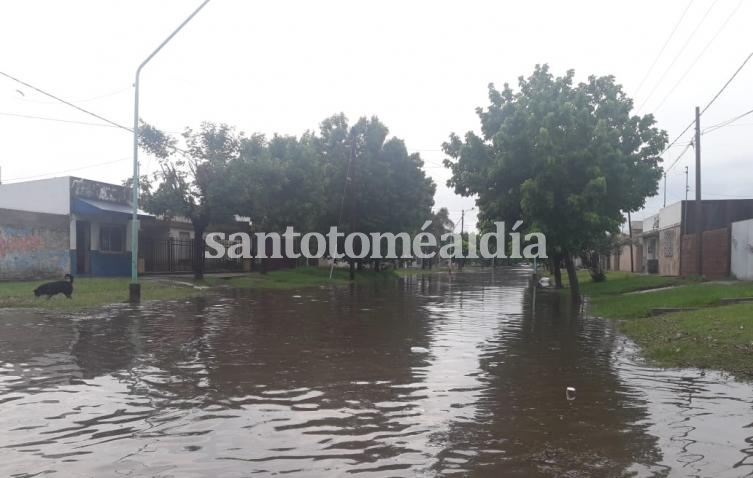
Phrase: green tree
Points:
(567, 159)
(441, 224)
(196, 182)
(372, 183)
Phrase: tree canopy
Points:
(567, 159)
(354, 177)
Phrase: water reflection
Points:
(430, 375)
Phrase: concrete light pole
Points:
(462, 228)
(134, 288)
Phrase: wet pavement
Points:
(418, 377)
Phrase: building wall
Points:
(668, 251)
(51, 196)
(717, 214)
(88, 189)
(741, 250)
(715, 254)
(106, 264)
(33, 245)
(670, 216)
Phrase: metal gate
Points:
(177, 255)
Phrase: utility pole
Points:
(684, 228)
(351, 183)
(698, 212)
(665, 189)
(630, 234)
(462, 224)
(134, 288)
(687, 188)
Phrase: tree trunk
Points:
(352, 264)
(595, 267)
(198, 252)
(557, 270)
(573, 277)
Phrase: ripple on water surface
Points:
(429, 375)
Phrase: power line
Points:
(110, 122)
(715, 127)
(64, 171)
(83, 100)
(677, 56)
(651, 68)
(727, 83)
(672, 90)
(710, 102)
(102, 118)
(59, 120)
(678, 157)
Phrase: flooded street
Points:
(423, 376)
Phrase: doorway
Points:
(83, 246)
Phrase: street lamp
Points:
(134, 288)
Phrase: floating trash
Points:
(545, 282)
(570, 393)
(419, 350)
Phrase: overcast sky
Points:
(422, 67)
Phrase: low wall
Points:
(33, 245)
(669, 251)
(715, 254)
(741, 254)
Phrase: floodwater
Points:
(418, 377)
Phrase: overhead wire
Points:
(39, 176)
(711, 102)
(724, 123)
(83, 110)
(703, 51)
(58, 120)
(661, 51)
(677, 56)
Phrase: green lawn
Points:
(717, 337)
(610, 300)
(93, 292)
(89, 293)
(622, 282)
(301, 277)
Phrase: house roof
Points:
(93, 206)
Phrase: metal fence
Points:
(176, 255)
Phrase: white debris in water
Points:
(419, 350)
(296, 296)
(570, 393)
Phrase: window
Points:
(669, 240)
(111, 238)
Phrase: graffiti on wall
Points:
(19, 244)
(33, 252)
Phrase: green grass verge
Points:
(622, 282)
(693, 294)
(94, 292)
(301, 277)
(89, 293)
(717, 338)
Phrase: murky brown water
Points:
(422, 377)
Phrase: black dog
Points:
(49, 289)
